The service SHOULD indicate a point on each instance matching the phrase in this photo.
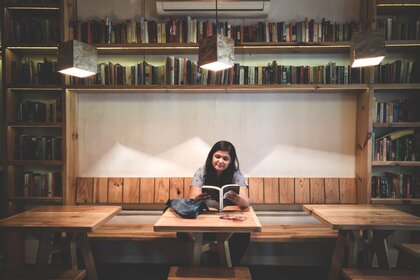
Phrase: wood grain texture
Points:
(100, 190)
(161, 190)
(375, 274)
(256, 190)
(348, 192)
(287, 190)
(115, 190)
(317, 187)
(176, 188)
(187, 185)
(131, 190)
(147, 190)
(206, 273)
(271, 190)
(332, 190)
(134, 232)
(302, 190)
(84, 193)
(293, 233)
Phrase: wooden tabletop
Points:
(208, 222)
(61, 218)
(363, 216)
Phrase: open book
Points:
(218, 201)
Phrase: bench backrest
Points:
(261, 190)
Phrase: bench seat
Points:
(131, 232)
(408, 255)
(208, 273)
(373, 274)
(31, 272)
(269, 233)
(293, 233)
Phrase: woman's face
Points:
(221, 161)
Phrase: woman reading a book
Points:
(222, 168)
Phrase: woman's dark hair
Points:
(210, 177)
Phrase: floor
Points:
(158, 272)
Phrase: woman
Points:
(221, 168)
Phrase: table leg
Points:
(381, 248)
(223, 249)
(338, 255)
(355, 248)
(87, 256)
(44, 249)
(197, 239)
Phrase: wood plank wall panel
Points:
(187, 185)
(84, 192)
(302, 190)
(332, 190)
(176, 188)
(287, 190)
(115, 190)
(147, 190)
(317, 189)
(131, 191)
(261, 190)
(348, 190)
(161, 190)
(271, 190)
(256, 190)
(100, 190)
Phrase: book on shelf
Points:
(32, 183)
(395, 185)
(218, 199)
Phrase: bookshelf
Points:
(33, 94)
(395, 161)
(16, 48)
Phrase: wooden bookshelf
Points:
(403, 201)
(353, 88)
(35, 125)
(396, 124)
(19, 199)
(36, 162)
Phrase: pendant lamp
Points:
(216, 52)
(367, 48)
(77, 59)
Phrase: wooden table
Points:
(75, 221)
(349, 220)
(209, 222)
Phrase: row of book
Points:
(182, 71)
(188, 30)
(31, 29)
(30, 147)
(32, 183)
(399, 27)
(37, 111)
(393, 185)
(398, 71)
(399, 145)
(31, 72)
(399, 110)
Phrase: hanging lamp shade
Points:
(78, 59)
(367, 48)
(216, 52)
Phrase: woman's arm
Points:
(195, 191)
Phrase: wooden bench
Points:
(36, 273)
(269, 233)
(371, 274)
(408, 256)
(194, 272)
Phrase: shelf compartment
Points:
(36, 162)
(35, 125)
(33, 49)
(393, 87)
(396, 124)
(396, 163)
(395, 200)
(351, 88)
(39, 87)
(35, 6)
(35, 199)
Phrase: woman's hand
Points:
(202, 196)
(237, 199)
